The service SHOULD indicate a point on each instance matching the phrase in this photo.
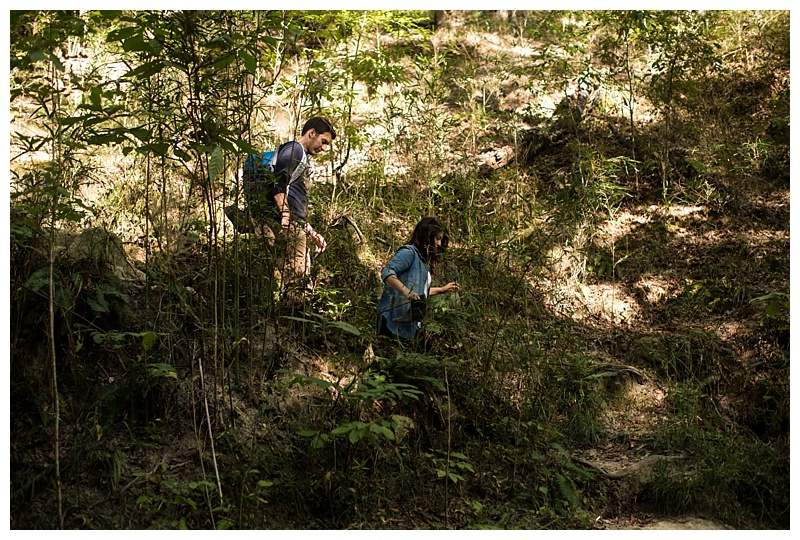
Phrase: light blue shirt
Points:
(411, 270)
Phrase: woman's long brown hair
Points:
(423, 238)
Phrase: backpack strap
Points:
(298, 171)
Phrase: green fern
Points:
(38, 279)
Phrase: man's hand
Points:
(319, 242)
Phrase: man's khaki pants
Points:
(293, 261)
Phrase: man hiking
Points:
(277, 201)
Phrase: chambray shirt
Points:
(411, 270)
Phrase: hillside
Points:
(615, 186)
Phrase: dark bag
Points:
(418, 309)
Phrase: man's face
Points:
(318, 142)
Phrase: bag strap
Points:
(298, 171)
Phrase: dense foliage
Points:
(616, 188)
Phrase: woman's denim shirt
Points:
(408, 266)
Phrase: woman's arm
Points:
(450, 287)
(393, 282)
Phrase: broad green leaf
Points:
(38, 279)
(145, 70)
(185, 156)
(120, 33)
(158, 148)
(773, 309)
(601, 375)
(216, 164)
(346, 327)
(224, 62)
(455, 477)
(357, 434)
(561, 450)
(249, 61)
(317, 443)
(96, 96)
(148, 340)
(245, 146)
(140, 133)
(136, 43)
(383, 431)
(163, 370)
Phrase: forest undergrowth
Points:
(616, 190)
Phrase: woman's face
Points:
(437, 241)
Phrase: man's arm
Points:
(290, 157)
(283, 207)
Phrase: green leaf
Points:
(465, 466)
(185, 156)
(158, 148)
(346, 327)
(357, 434)
(136, 43)
(561, 450)
(36, 55)
(120, 33)
(245, 146)
(163, 370)
(341, 430)
(96, 96)
(601, 375)
(382, 430)
(216, 164)
(308, 433)
(302, 379)
(146, 70)
(455, 477)
(224, 62)
(142, 134)
(249, 61)
(99, 303)
(148, 340)
(38, 279)
(300, 319)
(773, 309)
(317, 443)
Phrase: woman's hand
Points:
(453, 286)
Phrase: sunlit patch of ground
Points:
(601, 303)
(644, 522)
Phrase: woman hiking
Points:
(407, 284)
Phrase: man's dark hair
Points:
(423, 239)
(320, 125)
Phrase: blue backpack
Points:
(258, 168)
